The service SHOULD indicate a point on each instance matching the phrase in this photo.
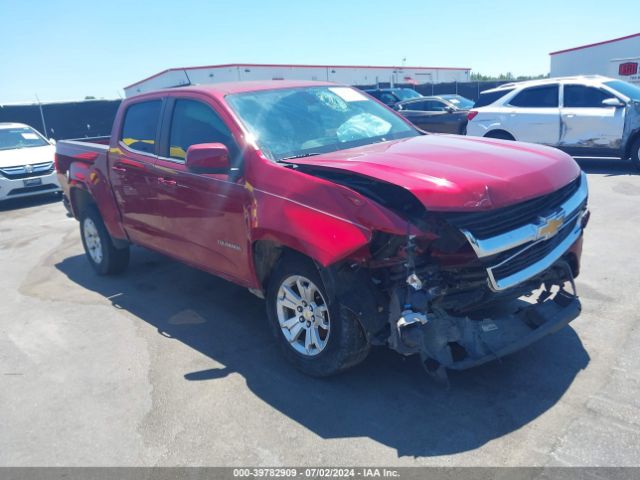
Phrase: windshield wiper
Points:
(302, 155)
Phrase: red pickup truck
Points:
(357, 228)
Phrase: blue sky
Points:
(68, 49)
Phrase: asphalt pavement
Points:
(167, 365)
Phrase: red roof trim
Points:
(595, 44)
(227, 65)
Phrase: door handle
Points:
(118, 169)
(164, 181)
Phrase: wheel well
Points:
(500, 134)
(266, 254)
(80, 200)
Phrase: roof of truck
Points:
(242, 87)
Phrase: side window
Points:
(140, 126)
(414, 106)
(584, 97)
(435, 106)
(194, 122)
(536, 97)
(388, 98)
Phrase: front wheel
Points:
(635, 154)
(314, 332)
(104, 257)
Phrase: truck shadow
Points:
(388, 398)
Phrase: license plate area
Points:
(32, 182)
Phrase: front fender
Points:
(324, 237)
(325, 221)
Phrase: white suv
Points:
(589, 115)
(26, 162)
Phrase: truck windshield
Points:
(626, 89)
(296, 122)
(20, 137)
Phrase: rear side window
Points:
(536, 97)
(584, 97)
(140, 126)
(194, 122)
(388, 98)
(435, 106)
(487, 98)
(415, 106)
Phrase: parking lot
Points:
(167, 365)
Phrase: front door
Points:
(205, 221)
(588, 126)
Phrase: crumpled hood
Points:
(456, 173)
(26, 156)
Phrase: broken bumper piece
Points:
(458, 343)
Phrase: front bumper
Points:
(447, 341)
(515, 332)
(17, 188)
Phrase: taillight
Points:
(472, 114)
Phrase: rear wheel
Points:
(315, 334)
(500, 134)
(635, 154)
(104, 257)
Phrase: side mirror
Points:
(208, 158)
(450, 109)
(52, 141)
(612, 102)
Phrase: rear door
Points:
(588, 126)
(132, 172)
(534, 115)
(204, 214)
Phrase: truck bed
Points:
(74, 159)
(83, 149)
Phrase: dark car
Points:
(391, 96)
(436, 114)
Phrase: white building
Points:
(350, 75)
(618, 58)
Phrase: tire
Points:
(635, 154)
(103, 256)
(341, 341)
(500, 135)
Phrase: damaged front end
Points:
(449, 340)
(475, 286)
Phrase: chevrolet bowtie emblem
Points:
(549, 226)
